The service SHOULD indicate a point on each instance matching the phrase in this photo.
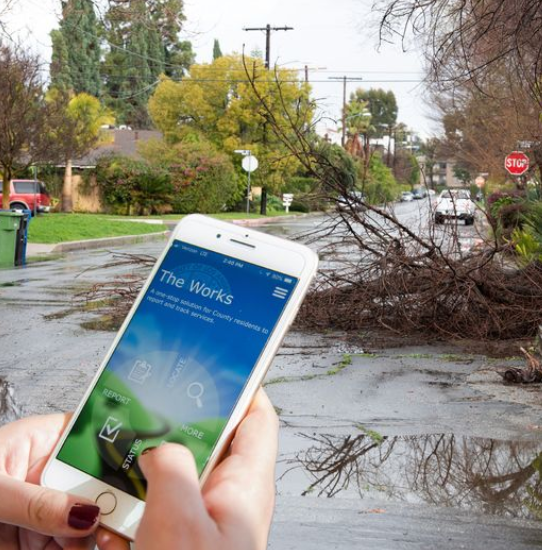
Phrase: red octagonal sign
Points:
(517, 163)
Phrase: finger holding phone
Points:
(184, 368)
(234, 510)
(32, 516)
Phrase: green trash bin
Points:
(9, 225)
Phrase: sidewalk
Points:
(36, 249)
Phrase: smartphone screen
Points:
(180, 366)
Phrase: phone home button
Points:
(107, 502)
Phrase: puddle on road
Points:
(8, 409)
(489, 476)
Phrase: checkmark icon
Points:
(110, 430)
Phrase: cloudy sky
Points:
(334, 38)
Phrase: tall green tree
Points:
(217, 52)
(143, 43)
(382, 105)
(76, 49)
(60, 66)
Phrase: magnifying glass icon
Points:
(195, 391)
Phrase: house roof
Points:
(119, 142)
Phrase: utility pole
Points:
(344, 79)
(267, 29)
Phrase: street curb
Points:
(73, 246)
(106, 242)
(255, 222)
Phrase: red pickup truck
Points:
(28, 194)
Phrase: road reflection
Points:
(8, 408)
(484, 475)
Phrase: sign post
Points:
(249, 164)
(516, 163)
(287, 199)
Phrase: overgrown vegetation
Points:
(181, 178)
(408, 279)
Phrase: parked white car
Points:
(454, 204)
(407, 196)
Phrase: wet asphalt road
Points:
(416, 448)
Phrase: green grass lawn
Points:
(59, 228)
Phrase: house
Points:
(116, 141)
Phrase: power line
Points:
(139, 92)
(344, 79)
(189, 80)
(131, 52)
(267, 29)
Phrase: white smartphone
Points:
(185, 364)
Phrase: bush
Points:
(298, 206)
(528, 240)
(506, 211)
(128, 184)
(274, 204)
(203, 179)
(308, 195)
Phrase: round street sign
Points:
(249, 163)
(517, 163)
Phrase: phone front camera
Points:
(218, 235)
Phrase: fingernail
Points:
(147, 450)
(83, 516)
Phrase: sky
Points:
(334, 38)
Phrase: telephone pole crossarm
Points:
(267, 29)
(344, 80)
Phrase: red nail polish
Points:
(83, 516)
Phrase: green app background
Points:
(103, 460)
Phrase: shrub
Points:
(128, 184)
(528, 240)
(203, 179)
(274, 204)
(308, 194)
(506, 212)
(298, 206)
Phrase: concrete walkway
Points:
(37, 249)
(34, 249)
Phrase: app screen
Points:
(180, 366)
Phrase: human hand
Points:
(33, 517)
(235, 507)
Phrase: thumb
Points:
(46, 511)
(174, 499)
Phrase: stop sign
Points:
(517, 163)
